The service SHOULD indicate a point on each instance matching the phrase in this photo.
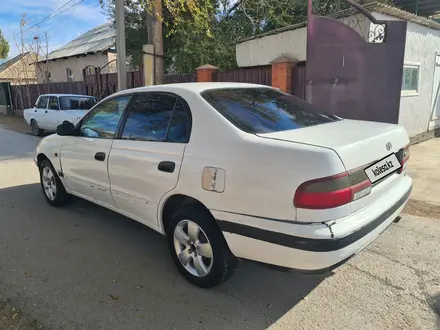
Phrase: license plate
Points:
(383, 168)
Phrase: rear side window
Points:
(264, 110)
(77, 102)
(157, 117)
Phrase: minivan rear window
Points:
(264, 110)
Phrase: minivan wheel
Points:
(35, 129)
(198, 247)
(51, 184)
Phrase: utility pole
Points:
(120, 45)
(158, 42)
(150, 28)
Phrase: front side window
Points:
(53, 103)
(153, 117)
(264, 110)
(103, 121)
(410, 79)
(42, 102)
(76, 102)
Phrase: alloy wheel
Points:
(193, 248)
(49, 183)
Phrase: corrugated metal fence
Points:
(256, 75)
(101, 85)
(180, 78)
(25, 96)
(299, 81)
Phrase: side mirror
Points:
(66, 129)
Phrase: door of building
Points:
(435, 99)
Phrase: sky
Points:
(60, 29)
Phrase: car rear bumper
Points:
(312, 248)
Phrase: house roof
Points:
(99, 39)
(402, 14)
(371, 7)
(12, 61)
(421, 7)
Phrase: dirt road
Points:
(83, 267)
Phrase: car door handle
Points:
(100, 156)
(35, 110)
(45, 111)
(166, 167)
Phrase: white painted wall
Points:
(262, 51)
(292, 43)
(58, 68)
(416, 112)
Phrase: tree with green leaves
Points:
(197, 32)
(4, 46)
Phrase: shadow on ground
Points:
(17, 145)
(82, 266)
(434, 302)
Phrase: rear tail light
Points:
(404, 157)
(333, 191)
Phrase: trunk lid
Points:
(358, 143)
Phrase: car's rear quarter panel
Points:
(262, 175)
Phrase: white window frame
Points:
(415, 65)
(69, 77)
(48, 77)
(90, 70)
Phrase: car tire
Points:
(37, 131)
(193, 235)
(53, 188)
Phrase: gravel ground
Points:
(12, 318)
(84, 267)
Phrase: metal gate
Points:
(5, 98)
(355, 64)
(299, 80)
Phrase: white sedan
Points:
(230, 171)
(50, 110)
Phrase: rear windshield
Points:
(264, 110)
(76, 102)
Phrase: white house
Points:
(420, 95)
(95, 48)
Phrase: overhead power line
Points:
(55, 14)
